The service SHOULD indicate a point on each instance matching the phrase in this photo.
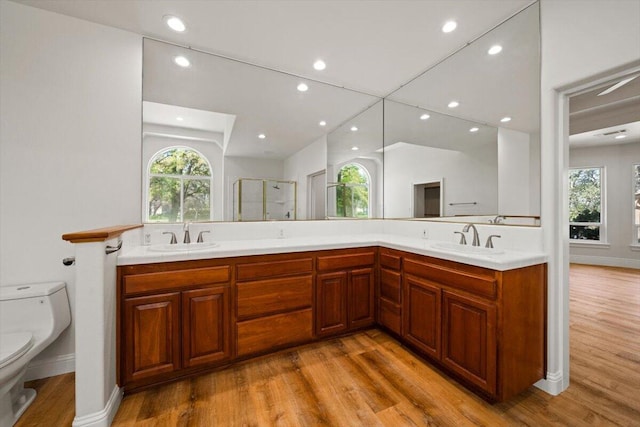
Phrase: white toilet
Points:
(31, 317)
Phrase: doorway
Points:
(427, 199)
(317, 195)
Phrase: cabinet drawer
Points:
(390, 260)
(264, 297)
(390, 285)
(260, 270)
(266, 333)
(140, 283)
(341, 262)
(390, 316)
(483, 285)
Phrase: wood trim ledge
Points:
(98, 234)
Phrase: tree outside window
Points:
(179, 186)
(585, 203)
(352, 193)
(636, 203)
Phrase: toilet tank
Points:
(39, 308)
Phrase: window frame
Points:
(346, 184)
(635, 221)
(602, 224)
(181, 178)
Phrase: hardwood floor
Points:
(369, 379)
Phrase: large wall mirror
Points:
(227, 141)
(463, 138)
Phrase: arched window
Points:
(179, 186)
(352, 193)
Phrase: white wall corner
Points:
(606, 261)
(51, 366)
(554, 384)
(104, 417)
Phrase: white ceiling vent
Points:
(615, 132)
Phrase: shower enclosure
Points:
(264, 199)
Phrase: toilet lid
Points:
(14, 345)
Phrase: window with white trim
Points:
(586, 196)
(352, 192)
(636, 204)
(179, 182)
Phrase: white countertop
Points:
(500, 259)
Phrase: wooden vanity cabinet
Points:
(345, 290)
(485, 326)
(274, 302)
(171, 322)
(390, 290)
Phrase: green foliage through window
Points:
(179, 186)
(585, 203)
(352, 195)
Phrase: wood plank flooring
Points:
(369, 379)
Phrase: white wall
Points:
(297, 167)
(468, 177)
(580, 40)
(69, 141)
(513, 172)
(246, 167)
(618, 161)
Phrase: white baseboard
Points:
(606, 261)
(554, 384)
(50, 367)
(104, 417)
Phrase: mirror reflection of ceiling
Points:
(358, 137)
(506, 84)
(263, 101)
(606, 115)
(373, 47)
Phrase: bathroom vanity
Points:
(184, 314)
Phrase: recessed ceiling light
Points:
(354, 148)
(449, 26)
(474, 129)
(453, 104)
(505, 119)
(319, 65)
(322, 123)
(424, 116)
(495, 49)
(182, 61)
(262, 136)
(620, 136)
(354, 128)
(175, 23)
(302, 87)
(179, 119)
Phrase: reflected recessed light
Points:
(175, 23)
(453, 104)
(262, 136)
(495, 49)
(449, 26)
(354, 148)
(179, 119)
(474, 129)
(354, 128)
(182, 61)
(319, 65)
(505, 119)
(302, 87)
(620, 136)
(322, 123)
(424, 117)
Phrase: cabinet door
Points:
(331, 303)
(205, 326)
(469, 339)
(152, 335)
(421, 310)
(360, 300)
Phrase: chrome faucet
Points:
(187, 237)
(463, 238)
(476, 238)
(173, 237)
(497, 220)
(200, 239)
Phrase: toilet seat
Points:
(13, 345)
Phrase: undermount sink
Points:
(183, 247)
(466, 249)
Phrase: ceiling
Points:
(374, 47)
